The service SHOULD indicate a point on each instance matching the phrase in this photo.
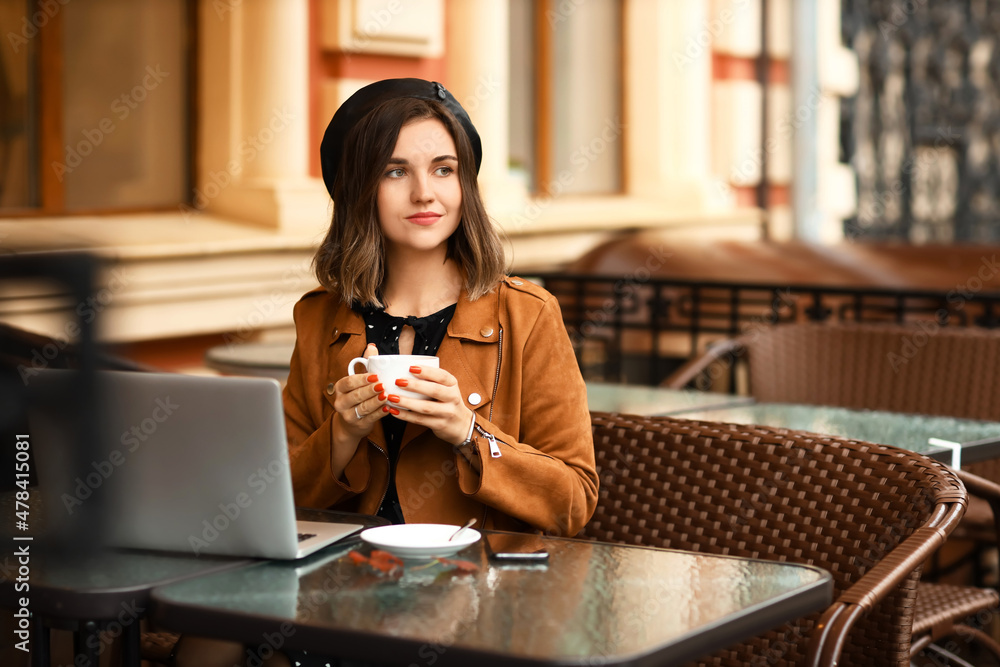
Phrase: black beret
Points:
(362, 102)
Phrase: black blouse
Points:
(383, 329)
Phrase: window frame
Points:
(543, 44)
(46, 62)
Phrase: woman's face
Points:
(419, 195)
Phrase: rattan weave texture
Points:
(848, 506)
(901, 368)
(914, 368)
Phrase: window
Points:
(566, 92)
(96, 106)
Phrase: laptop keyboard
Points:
(305, 536)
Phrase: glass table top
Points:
(591, 601)
(645, 400)
(94, 583)
(911, 432)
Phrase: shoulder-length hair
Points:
(350, 261)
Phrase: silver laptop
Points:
(188, 463)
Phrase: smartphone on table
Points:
(515, 549)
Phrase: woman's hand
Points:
(359, 402)
(444, 413)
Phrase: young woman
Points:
(412, 264)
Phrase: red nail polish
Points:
(381, 396)
(402, 382)
(372, 378)
(379, 388)
(393, 411)
(393, 398)
(415, 370)
(385, 408)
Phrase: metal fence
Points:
(626, 330)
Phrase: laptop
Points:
(186, 463)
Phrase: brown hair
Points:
(350, 261)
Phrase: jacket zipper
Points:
(496, 380)
(494, 448)
(386, 489)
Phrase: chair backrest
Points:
(780, 495)
(920, 368)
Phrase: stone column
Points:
(275, 87)
(477, 57)
(254, 118)
(668, 60)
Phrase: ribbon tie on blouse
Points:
(419, 324)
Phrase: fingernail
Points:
(385, 408)
(415, 370)
(381, 396)
(372, 345)
(393, 411)
(372, 378)
(379, 388)
(402, 382)
(393, 398)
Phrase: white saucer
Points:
(420, 540)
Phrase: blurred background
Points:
(178, 140)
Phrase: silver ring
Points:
(358, 414)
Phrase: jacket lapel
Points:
(469, 351)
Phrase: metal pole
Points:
(805, 96)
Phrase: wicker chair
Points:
(902, 368)
(870, 514)
(916, 368)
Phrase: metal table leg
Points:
(131, 635)
(85, 643)
(40, 655)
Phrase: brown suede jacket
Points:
(514, 363)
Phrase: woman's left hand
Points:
(444, 412)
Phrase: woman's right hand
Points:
(359, 401)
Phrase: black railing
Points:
(625, 330)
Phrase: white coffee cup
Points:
(392, 367)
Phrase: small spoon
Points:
(462, 529)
